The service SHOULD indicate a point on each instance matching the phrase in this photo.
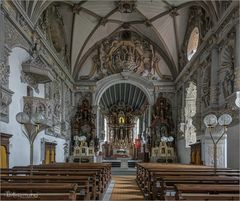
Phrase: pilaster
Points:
(237, 59)
(149, 116)
(214, 76)
(197, 119)
(97, 112)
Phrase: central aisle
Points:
(125, 188)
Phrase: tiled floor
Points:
(125, 188)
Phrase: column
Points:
(237, 59)
(214, 76)
(197, 118)
(97, 112)
(144, 122)
(102, 126)
(183, 103)
(149, 118)
(141, 125)
(149, 115)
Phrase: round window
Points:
(193, 43)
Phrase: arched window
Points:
(190, 112)
(193, 43)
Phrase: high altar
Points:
(120, 136)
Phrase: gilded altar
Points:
(162, 129)
(121, 123)
(84, 142)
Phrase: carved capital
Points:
(5, 101)
(4, 74)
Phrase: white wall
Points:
(183, 152)
(19, 145)
(233, 149)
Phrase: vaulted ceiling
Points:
(87, 23)
(124, 93)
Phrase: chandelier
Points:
(211, 121)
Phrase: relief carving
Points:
(227, 68)
(190, 112)
(5, 101)
(30, 80)
(126, 51)
(42, 105)
(206, 85)
(13, 37)
(4, 74)
(52, 26)
(53, 92)
(35, 71)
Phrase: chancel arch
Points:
(121, 105)
(124, 77)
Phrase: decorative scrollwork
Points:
(227, 68)
(126, 51)
(4, 74)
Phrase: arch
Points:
(111, 80)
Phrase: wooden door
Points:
(3, 161)
(50, 152)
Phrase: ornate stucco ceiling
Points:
(87, 23)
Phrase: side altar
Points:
(84, 143)
(161, 141)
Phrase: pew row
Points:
(96, 176)
(156, 180)
(40, 191)
(207, 192)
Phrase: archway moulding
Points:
(124, 77)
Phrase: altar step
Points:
(123, 171)
(117, 163)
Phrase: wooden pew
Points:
(207, 192)
(144, 172)
(166, 183)
(148, 173)
(103, 176)
(82, 182)
(39, 191)
(104, 167)
(92, 174)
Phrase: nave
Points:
(119, 99)
(95, 181)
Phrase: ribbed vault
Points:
(87, 23)
(123, 93)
